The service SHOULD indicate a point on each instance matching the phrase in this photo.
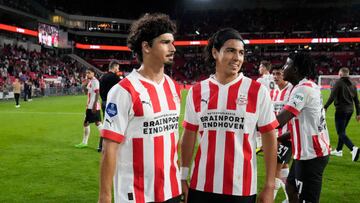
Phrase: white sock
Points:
(86, 134)
(277, 186)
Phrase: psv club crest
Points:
(241, 100)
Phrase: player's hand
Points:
(93, 109)
(358, 118)
(266, 195)
(185, 189)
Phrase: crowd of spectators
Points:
(40, 69)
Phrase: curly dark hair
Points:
(146, 29)
(217, 40)
(304, 63)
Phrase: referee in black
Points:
(107, 81)
(345, 97)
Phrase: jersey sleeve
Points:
(297, 100)
(117, 110)
(267, 119)
(190, 120)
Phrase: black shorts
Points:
(306, 177)
(91, 117)
(284, 152)
(196, 196)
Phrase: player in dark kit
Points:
(107, 81)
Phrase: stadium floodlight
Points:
(355, 28)
(197, 32)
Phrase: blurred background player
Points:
(280, 96)
(92, 107)
(141, 129)
(225, 109)
(107, 81)
(267, 80)
(310, 135)
(344, 95)
(17, 91)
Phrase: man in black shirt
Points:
(107, 81)
(344, 94)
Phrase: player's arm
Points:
(96, 100)
(332, 96)
(187, 150)
(266, 124)
(97, 95)
(283, 117)
(107, 170)
(270, 150)
(191, 127)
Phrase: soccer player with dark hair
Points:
(107, 81)
(268, 81)
(223, 112)
(310, 137)
(344, 95)
(280, 96)
(265, 77)
(92, 107)
(141, 134)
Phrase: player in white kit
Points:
(141, 129)
(223, 112)
(310, 139)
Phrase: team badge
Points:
(111, 109)
(242, 99)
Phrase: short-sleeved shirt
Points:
(92, 90)
(268, 81)
(280, 97)
(143, 116)
(226, 117)
(310, 134)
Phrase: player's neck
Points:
(282, 85)
(224, 79)
(153, 73)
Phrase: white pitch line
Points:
(37, 112)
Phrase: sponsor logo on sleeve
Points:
(111, 109)
(298, 98)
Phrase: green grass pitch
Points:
(39, 163)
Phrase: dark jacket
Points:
(344, 94)
(107, 81)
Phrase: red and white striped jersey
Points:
(310, 134)
(143, 116)
(268, 81)
(226, 117)
(92, 89)
(280, 98)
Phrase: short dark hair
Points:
(276, 68)
(304, 63)
(90, 69)
(267, 64)
(146, 29)
(217, 40)
(113, 63)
